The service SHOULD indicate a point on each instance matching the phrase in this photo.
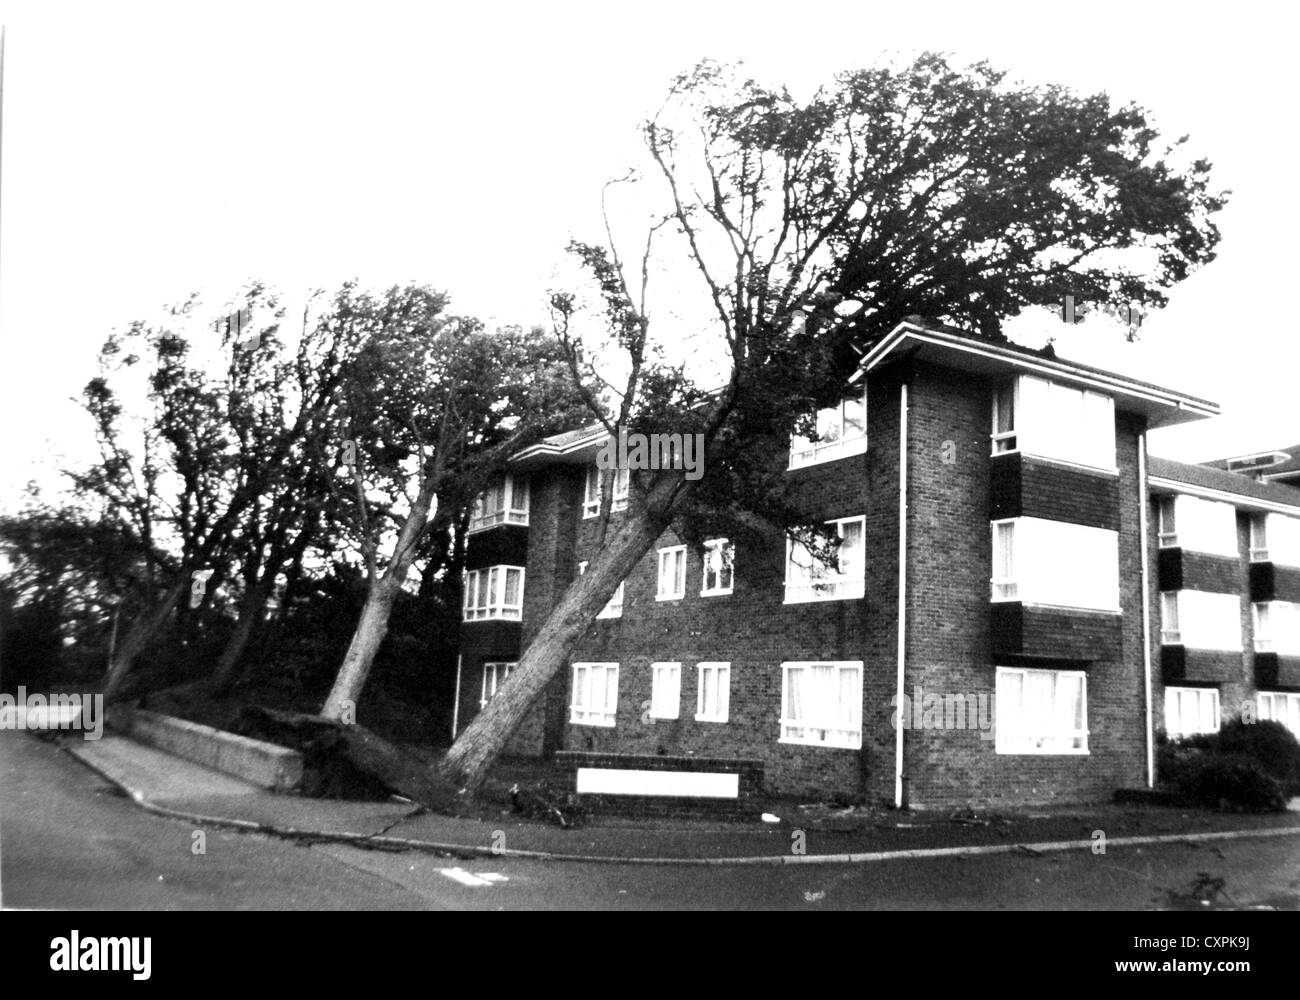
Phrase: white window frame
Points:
(723, 707)
(1013, 738)
(1276, 627)
(665, 690)
(822, 725)
(1004, 442)
(1180, 508)
(1190, 624)
(1069, 442)
(1043, 588)
(1281, 706)
(1259, 537)
(804, 452)
(494, 675)
(825, 584)
(1176, 727)
(591, 491)
(513, 509)
(725, 552)
(614, 606)
(671, 555)
(1275, 538)
(495, 606)
(581, 711)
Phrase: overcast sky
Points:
(153, 150)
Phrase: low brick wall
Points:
(275, 767)
(745, 805)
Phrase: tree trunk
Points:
(373, 624)
(142, 632)
(250, 614)
(476, 749)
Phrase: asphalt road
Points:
(67, 841)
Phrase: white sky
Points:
(151, 150)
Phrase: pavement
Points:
(173, 787)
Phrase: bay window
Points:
(1200, 620)
(1283, 707)
(1037, 561)
(494, 592)
(1054, 421)
(821, 703)
(504, 502)
(1275, 538)
(1198, 525)
(1277, 627)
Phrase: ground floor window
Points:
(1191, 710)
(665, 690)
(494, 675)
(821, 703)
(595, 694)
(1041, 711)
(714, 696)
(1283, 707)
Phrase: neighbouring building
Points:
(1022, 601)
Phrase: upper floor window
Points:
(1189, 711)
(1200, 620)
(1196, 524)
(672, 573)
(1037, 561)
(591, 495)
(841, 429)
(494, 675)
(809, 578)
(614, 606)
(504, 502)
(494, 592)
(1275, 538)
(719, 565)
(1277, 627)
(1050, 420)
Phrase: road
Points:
(68, 841)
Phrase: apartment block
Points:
(1019, 601)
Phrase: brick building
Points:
(1021, 598)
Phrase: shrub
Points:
(1270, 744)
(1251, 765)
(1215, 778)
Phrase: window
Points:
(495, 592)
(1191, 710)
(1055, 563)
(1275, 538)
(1057, 421)
(665, 690)
(1199, 525)
(672, 573)
(595, 694)
(1283, 707)
(842, 430)
(1004, 418)
(821, 703)
(1041, 711)
(1277, 627)
(591, 499)
(719, 564)
(808, 578)
(614, 606)
(504, 502)
(494, 675)
(714, 695)
(1200, 620)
